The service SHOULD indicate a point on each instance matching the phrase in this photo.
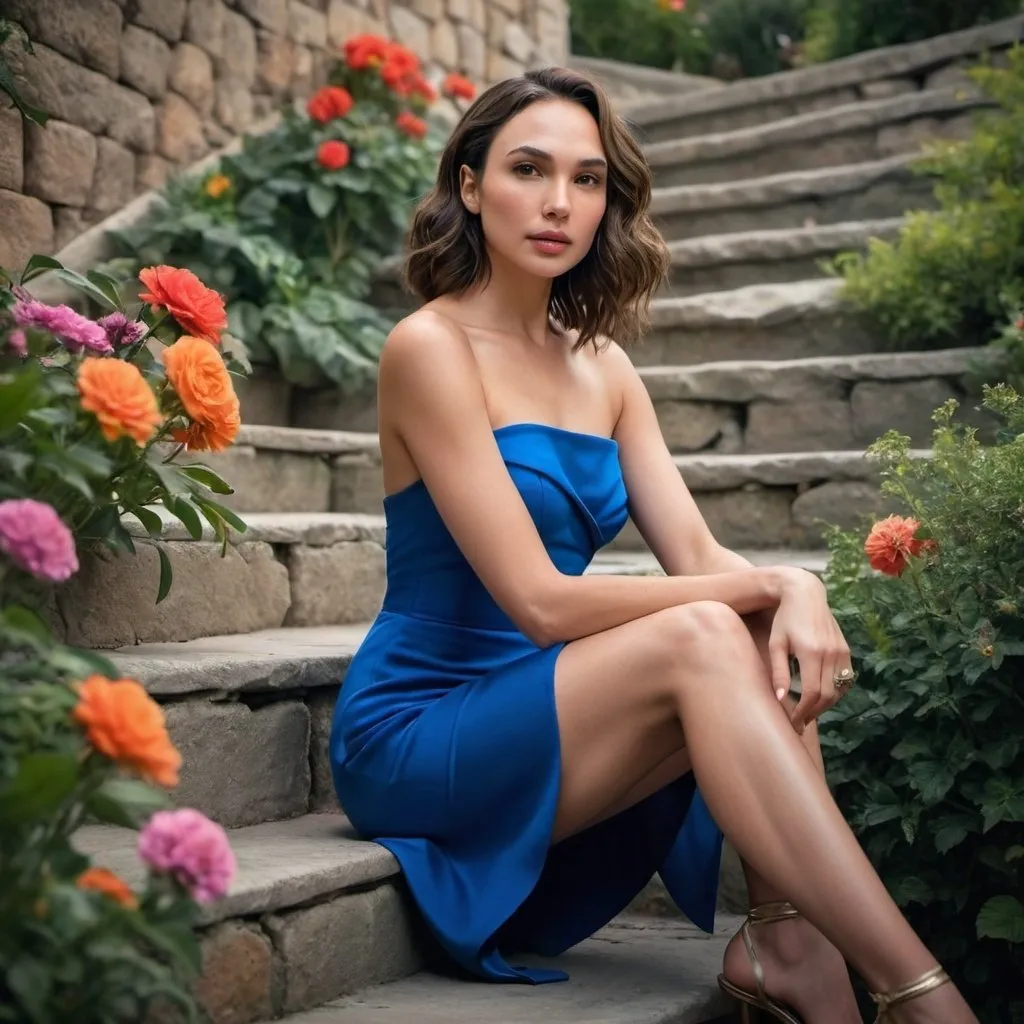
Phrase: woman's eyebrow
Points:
(540, 154)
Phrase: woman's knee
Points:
(686, 633)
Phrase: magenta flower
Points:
(35, 539)
(71, 329)
(18, 342)
(120, 330)
(191, 848)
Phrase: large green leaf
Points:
(126, 802)
(43, 782)
(1002, 917)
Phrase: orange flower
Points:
(118, 396)
(106, 882)
(458, 87)
(200, 310)
(332, 155)
(125, 724)
(366, 51)
(217, 185)
(203, 384)
(891, 542)
(409, 123)
(328, 103)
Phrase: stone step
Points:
(724, 262)
(854, 133)
(287, 569)
(776, 500)
(829, 402)
(793, 320)
(637, 970)
(314, 913)
(889, 71)
(873, 190)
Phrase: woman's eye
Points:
(525, 170)
(589, 179)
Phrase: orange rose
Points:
(200, 310)
(891, 542)
(458, 87)
(202, 382)
(328, 103)
(125, 724)
(118, 396)
(217, 185)
(413, 126)
(106, 882)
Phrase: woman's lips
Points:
(549, 244)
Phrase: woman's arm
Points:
(670, 521)
(430, 386)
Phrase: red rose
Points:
(412, 125)
(333, 155)
(328, 103)
(458, 87)
(366, 51)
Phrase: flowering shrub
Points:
(93, 414)
(292, 228)
(926, 753)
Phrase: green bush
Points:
(755, 35)
(953, 274)
(293, 240)
(926, 753)
(837, 28)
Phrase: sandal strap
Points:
(767, 913)
(926, 983)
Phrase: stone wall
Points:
(138, 88)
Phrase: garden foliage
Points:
(926, 753)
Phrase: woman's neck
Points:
(514, 301)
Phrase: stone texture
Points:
(692, 426)
(432, 10)
(841, 503)
(887, 87)
(357, 484)
(60, 160)
(322, 797)
(87, 31)
(346, 944)
(472, 52)
(112, 600)
(303, 73)
(181, 136)
(518, 45)
(812, 424)
(500, 66)
(234, 105)
(12, 150)
(306, 26)
(714, 472)
(754, 518)
(191, 75)
(71, 221)
(114, 178)
(27, 229)
(271, 14)
(905, 406)
(337, 584)
(472, 12)
(241, 766)
(145, 61)
(237, 982)
(204, 25)
(275, 61)
(444, 45)
(345, 21)
(165, 16)
(264, 398)
(411, 29)
(152, 171)
(238, 57)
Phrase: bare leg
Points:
(616, 693)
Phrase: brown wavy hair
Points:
(607, 294)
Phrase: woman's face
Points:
(543, 189)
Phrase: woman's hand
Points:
(805, 628)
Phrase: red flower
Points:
(333, 155)
(200, 310)
(412, 125)
(891, 542)
(366, 51)
(419, 86)
(458, 87)
(400, 70)
(328, 103)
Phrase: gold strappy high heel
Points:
(751, 1003)
(926, 983)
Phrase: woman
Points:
(528, 740)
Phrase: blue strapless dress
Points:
(445, 746)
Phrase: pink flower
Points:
(18, 342)
(191, 848)
(120, 330)
(35, 539)
(73, 330)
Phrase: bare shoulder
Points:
(423, 337)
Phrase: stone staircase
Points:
(767, 392)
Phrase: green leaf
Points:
(84, 285)
(39, 264)
(1002, 917)
(321, 199)
(19, 396)
(932, 779)
(108, 286)
(166, 574)
(185, 511)
(126, 802)
(26, 621)
(151, 522)
(231, 518)
(29, 981)
(42, 783)
(207, 477)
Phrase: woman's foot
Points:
(802, 969)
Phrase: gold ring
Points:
(841, 680)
